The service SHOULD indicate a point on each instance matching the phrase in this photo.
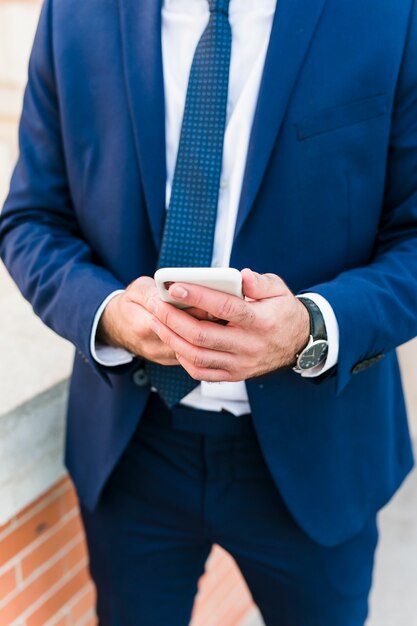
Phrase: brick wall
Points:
(44, 579)
(223, 598)
(43, 576)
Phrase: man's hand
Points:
(263, 333)
(126, 323)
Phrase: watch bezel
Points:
(311, 344)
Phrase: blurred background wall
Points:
(43, 574)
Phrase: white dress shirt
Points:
(183, 22)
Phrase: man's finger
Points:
(261, 286)
(199, 314)
(206, 375)
(200, 333)
(198, 357)
(220, 305)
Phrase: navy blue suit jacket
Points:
(329, 202)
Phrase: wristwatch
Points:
(315, 352)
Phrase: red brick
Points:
(91, 622)
(70, 500)
(25, 534)
(84, 605)
(31, 593)
(225, 608)
(48, 548)
(7, 583)
(53, 493)
(219, 566)
(78, 554)
(224, 596)
(59, 599)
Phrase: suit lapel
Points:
(140, 22)
(293, 28)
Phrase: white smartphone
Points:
(226, 279)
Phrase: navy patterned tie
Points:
(191, 217)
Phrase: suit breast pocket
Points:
(341, 116)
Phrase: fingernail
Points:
(178, 292)
(155, 326)
(153, 303)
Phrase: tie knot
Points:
(219, 6)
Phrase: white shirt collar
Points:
(197, 7)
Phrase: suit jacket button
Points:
(140, 377)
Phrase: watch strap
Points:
(317, 324)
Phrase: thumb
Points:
(260, 286)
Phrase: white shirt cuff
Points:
(332, 328)
(109, 356)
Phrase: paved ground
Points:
(394, 595)
(394, 598)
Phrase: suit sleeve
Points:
(40, 240)
(376, 305)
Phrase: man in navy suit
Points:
(280, 137)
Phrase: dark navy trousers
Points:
(175, 493)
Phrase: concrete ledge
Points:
(34, 359)
(32, 444)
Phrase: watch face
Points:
(313, 355)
